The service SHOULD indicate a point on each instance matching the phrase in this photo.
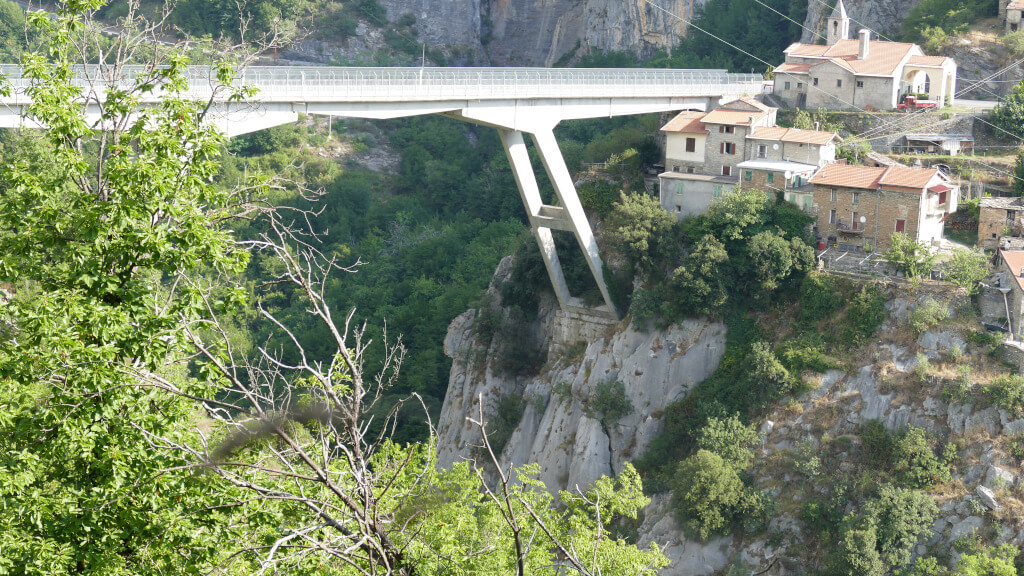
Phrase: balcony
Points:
(845, 228)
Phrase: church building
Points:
(862, 73)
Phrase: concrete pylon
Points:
(544, 218)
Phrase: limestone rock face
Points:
(539, 32)
(559, 429)
(440, 21)
(882, 16)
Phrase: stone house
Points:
(860, 207)
(862, 73)
(951, 144)
(998, 216)
(709, 153)
(1010, 14)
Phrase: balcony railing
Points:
(855, 228)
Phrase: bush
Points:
(1007, 392)
(819, 297)
(928, 315)
(902, 517)
(769, 379)
(967, 268)
(857, 554)
(806, 353)
(730, 439)
(609, 401)
(922, 366)
(697, 286)
(909, 256)
(503, 423)
(994, 561)
(908, 456)
(706, 492)
(864, 316)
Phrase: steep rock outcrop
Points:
(539, 32)
(883, 16)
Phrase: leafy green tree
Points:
(730, 215)
(775, 259)
(966, 268)
(857, 553)
(1017, 184)
(909, 256)
(706, 490)
(1008, 116)
(902, 517)
(91, 223)
(698, 286)
(768, 378)
(995, 561)
(730, 439)
(640, 229)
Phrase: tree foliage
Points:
(1008, 116)
(966, 268)
(910, 256)
(706, 492)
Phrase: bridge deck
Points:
(349, 84)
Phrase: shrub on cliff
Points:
(706, 491)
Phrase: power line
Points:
(788, 18)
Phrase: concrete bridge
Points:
(515, 101)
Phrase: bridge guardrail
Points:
(341, 83)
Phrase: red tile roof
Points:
(1015, 262)
(883, 57)
(850, 176)
(870, 177)
(907, 177)
(1015, 5)
(735, 117)
(793, 67)
(688, 122)
(819, 137)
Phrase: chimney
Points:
(817, 126)
(865, 42)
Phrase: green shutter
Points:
(771, 177)
(748, 175)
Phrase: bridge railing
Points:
(384, 84)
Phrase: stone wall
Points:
(715, 158)
(881, 209)
(889, 127)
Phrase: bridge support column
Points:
(543, 218)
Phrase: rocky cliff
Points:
(810, 443)
(883, 16)
(540, 32)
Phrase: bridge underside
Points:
(513, 118)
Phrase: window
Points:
(726, 129)
(771, 177)
(814, 81)
(901, 225)
(833, 194)
(942, 198)
(748, 175)
(856, 221)
(762, 151)
(675, 168)
(839, 83)
(679, 208)
(856, 197)
(689, 169)
(727, 148)
(691, 144)
(717, 192)
(831, 216)
(860, 83)
(726, 170)
(787, 85)
(799, 84)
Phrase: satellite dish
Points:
(775, 146)
(863, 219)
(788, 174)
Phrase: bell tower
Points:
(838, 24)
